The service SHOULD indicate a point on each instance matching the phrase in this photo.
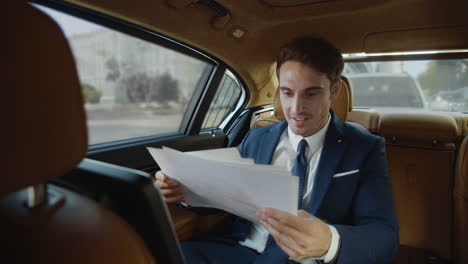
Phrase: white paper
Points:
(226, 154)
(222, 179)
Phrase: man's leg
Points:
(200, 252)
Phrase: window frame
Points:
(393, 56)
(225, 124)
(203, 93)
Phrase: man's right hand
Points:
(169, 188)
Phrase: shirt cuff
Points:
(332, 250)
(334, 245)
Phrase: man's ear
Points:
(335, 89)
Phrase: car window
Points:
(225, 102)
(435, 85)
(131, 87)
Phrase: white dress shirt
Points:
(284, 155)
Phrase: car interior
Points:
(92, 83)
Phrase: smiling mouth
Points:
(300, 118)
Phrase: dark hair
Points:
(315, 52)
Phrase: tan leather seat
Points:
(46, 138)
(421, 154)
(461, 205)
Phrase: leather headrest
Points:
(342, 104)
(418, 126)
(461, 172)
(45, 124)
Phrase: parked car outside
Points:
(451, 101)
(385, 90)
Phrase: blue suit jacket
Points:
(359, 205)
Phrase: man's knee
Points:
(198, 252)
(192, 253)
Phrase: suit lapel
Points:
(268, 143)
(332, 152)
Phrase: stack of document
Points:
(221, 179)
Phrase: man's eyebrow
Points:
(311, 88)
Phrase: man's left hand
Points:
(300, 236)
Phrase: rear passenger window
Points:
(435, 85)
(132, 88)
(225, 101)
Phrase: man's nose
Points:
(298, 106)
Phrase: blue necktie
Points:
(273, 253)
(300, 170)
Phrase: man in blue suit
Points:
(346, 212)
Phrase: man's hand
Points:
(300, 236)
(169, 188)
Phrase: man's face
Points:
(305, 95)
